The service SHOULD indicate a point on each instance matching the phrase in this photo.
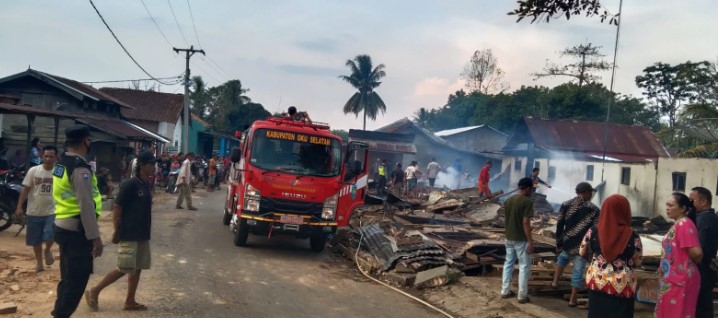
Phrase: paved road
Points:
(198, 272)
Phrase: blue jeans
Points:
(516, 250)
(579, 267)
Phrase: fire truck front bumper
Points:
(302, 225)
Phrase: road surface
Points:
(198, 272)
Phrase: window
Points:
(551, 174)
(679, 181)
(626, 175)
(517, 165)
(589, 173)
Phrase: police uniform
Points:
(77, 208)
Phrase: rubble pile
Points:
(440, 233)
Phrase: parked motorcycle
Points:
(10, 189)
(172, 181)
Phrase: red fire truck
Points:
(294, 177)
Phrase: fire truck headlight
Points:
(330, 207)
(251, 198)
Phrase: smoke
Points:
(453, 179)
(569, 172)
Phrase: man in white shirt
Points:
(411, 174)
(433, 170)
(183, 183)
(37, 190)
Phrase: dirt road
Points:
(198, 272)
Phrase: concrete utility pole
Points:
(185, 127)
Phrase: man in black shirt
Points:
(707, 224)
(397, 179)
(132, 220)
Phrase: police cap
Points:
(77, 132)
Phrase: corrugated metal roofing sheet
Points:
(385, 250)
(586, 136)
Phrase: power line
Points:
(193, 25)
(177, 22)
(155, 22)
(123, 47)
(177, 78)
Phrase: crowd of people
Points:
(605, 251)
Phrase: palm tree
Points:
(365, 79)
(700, 121)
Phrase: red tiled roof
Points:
(587, 137)
(148, 105)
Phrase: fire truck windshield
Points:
(295, 153)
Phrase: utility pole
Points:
(185, 127)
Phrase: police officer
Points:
(77, 208)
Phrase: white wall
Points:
(649, 187)
(177, 133)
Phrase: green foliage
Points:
(544, 10)
(566, 101)
(226, 107)
(365, 78)
(343, 134)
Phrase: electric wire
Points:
(167, 39)
(156, 24)
(123, 46)
(218, 69)
(178, 79)
(177, 22)
(613, 77)
(194, 27)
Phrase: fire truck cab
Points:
(294, 177)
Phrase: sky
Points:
(290, 53)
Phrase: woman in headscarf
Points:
(681, 251)
(614, 250)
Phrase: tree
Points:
(700, 122)
(343, 134)
(483, 74)
(668, 87)
(223, 101)
(365, 78)
(198, 97)
(544, 10)
(588, 62)
(423, 117)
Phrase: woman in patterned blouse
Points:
(615, 250)
(680, 252)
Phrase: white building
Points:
(636, 164)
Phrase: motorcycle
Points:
(172, 180)
(10, 190)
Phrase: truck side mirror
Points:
(235, 155)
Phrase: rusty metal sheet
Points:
(588, 137)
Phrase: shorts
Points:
(39, 229)
(133, 255)
(579, 267)
(411, 183)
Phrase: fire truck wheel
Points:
(317, 242)
(241, 233)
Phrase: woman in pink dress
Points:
(681, 251)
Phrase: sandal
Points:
(135, 307)
(91, 302)
(572, 304)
